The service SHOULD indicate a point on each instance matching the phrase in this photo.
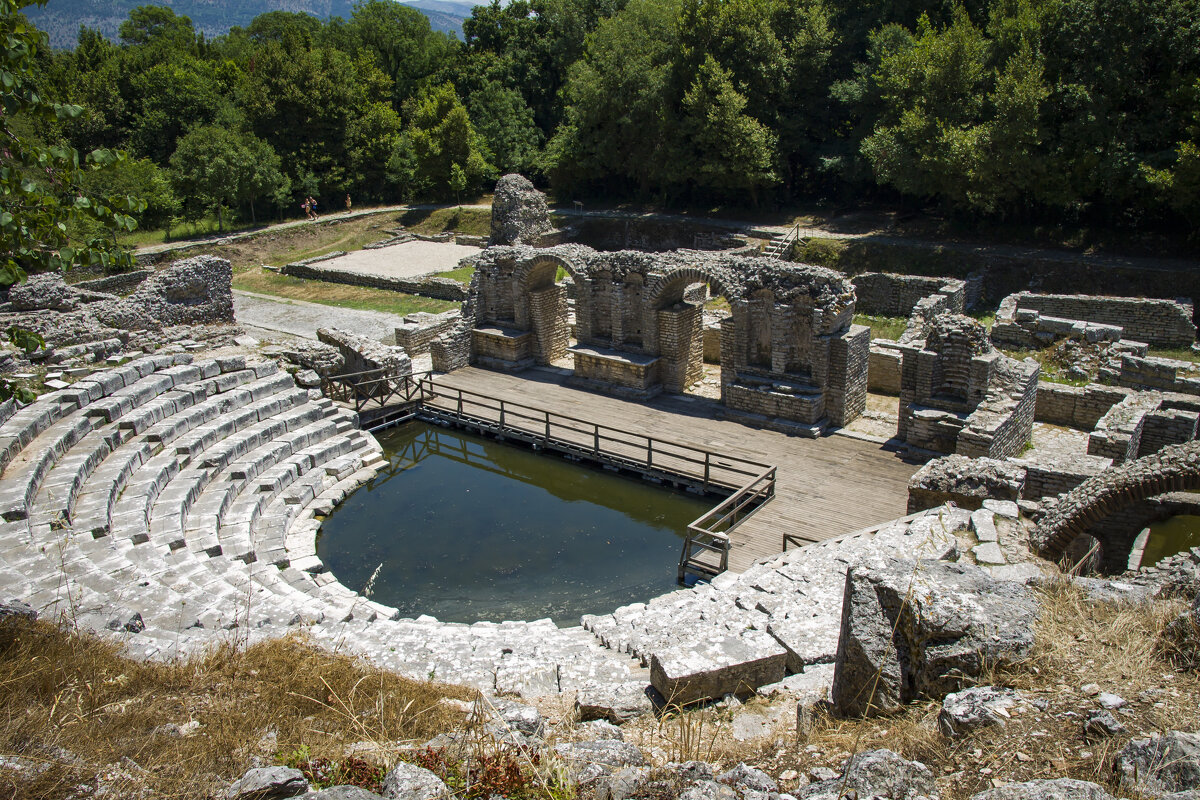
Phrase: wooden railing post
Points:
(547, 436)
(595, 440)
(502, 416)
(649, 453)
(707, 468)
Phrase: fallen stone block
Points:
(921, 629)
(705, 670)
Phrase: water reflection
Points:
(467, 528)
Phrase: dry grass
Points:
(337, 294)
(76, 709)
(1078, 642)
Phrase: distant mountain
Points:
(443, 15)
(61, 19)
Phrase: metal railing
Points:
(701, 468)
(377, 387)
(749, 484)
(709, 534)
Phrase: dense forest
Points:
(1072, 110)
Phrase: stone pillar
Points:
(681, 347)
(548, 318)
(849, 355)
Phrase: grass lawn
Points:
(470, 221)
(462, 274)
(1176, 353)
(361, 298)
(882, 327)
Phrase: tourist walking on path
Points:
(348, 201)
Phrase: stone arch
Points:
(1175, 468)
(530, 273)
(540, 305)
(657, 288)
(676, 323)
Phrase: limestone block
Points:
(714, 668)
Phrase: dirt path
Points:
(1105, 260)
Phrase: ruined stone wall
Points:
(681, 344)
(548, 318)
(1174, 468)
(849, 356)
(418, 330)
(115, 284)
(363, 353)
(1003, 424)
(883, 370)
(891, 295)
(1165, 374)
(1118, 434)
(426, 286)
(1079, 407)
(958, 394)
(1163, 323)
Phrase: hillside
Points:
(61, 19)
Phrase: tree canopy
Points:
(1017, 109)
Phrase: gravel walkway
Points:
(298, 318)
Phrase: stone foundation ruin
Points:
(789, 353)
(958, 394)
(1026, 319)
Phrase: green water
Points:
(467, 528)
(1171, 536)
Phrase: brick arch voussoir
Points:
(526, 266)
(1173, 469)
(658, 286)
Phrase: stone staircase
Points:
(173, 504)
(781, 615)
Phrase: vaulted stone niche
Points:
(789, 355)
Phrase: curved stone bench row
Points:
(173, 505)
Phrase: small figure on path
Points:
(347, 201)
(307, 208)
(312, 207)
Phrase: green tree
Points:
(216, 168)
(42, 198)
(440, 136)
(614, 135)
(731, 154)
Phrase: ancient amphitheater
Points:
(171, 500)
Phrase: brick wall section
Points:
(1079, 407)
(890, 295)
(1166, 427)
(1050, 476)
(681, 345)
(1164, 323)
(418, 330)
(548, 317)
(1118, 434)
(1165, 374)
(617, 373)
(849, 357)
(1002, 425)
(883, 370)
(427, 286)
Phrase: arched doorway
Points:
(690, 315)
(541, 306)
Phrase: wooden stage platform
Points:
(824, 488)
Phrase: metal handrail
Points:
(751, 483)
(591, 438)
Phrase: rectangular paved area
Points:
(825, 487)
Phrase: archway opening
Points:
(691, 313)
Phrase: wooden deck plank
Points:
(824, 487)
